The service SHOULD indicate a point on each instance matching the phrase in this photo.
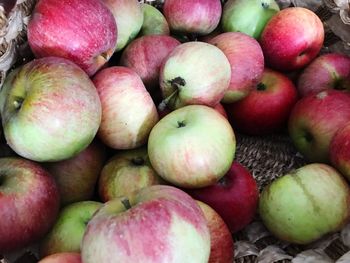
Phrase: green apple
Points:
(154, 22)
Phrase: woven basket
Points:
(267, 157)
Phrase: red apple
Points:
(292, 38)
(62, 258)
(247, 63)
(266, 108)
(314, 121)
(328, 71)
(84, 32)
(29, 203)
(234, 197)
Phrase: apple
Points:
(125, 173)
(194, 73)
(84, 32)
(154, 22)
(246, 60)
(306, 204)
(128, 16)
(315, 119)
(247, 16)
(145, 55)
(29, 203)
(68, 257)
(237, 189)
(221, 242)
(328, 71)
(159, 224)
(266, 109)
(128, 111)
(192, 16)
(69, 228)
(292, 38)
(192, 147)
(77, 177)
(50, 109)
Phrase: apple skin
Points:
(292, 39)
(128, 16)
(235, 190)
(76, 177)
(154, 22)
(50, 109)
(328, 71)
(247, 16)
(186, 78)
(246, 60)
(128, 111)
(266, 109)
(145, 56)
(315, 119)
(306, 204)
(84, 32)
(192, 16)
(221, 242)
(68, 230)
(125, 173)
(160, 224)
(192, 147)
(62, 258)
(29, 203)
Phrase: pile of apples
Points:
(123, 130)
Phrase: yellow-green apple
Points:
(77, 177)
(154, 22)
(267, 107)
(192, 147)
(292, 38)
(68, 257)
(50, 109)
(145, 55)
(247, 16)
(328, 71)
(84, 32)
(315, 119)
(194, 73)
(125, 173)
(192, 16)
(306, 204)
(128, 111)
(159, 224)
(221, 242)
(247, 63)
(69, 228)
(29, 203)
(234, 197)
(128, 16)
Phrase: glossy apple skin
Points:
(246, 60)
(221, 242)
(84, 32)
(29, 203)
(292, 39)
(328, 71)
(164, 224)
(186, 78)
(128, 111)
(77, 177)
(154, 22)
(235, 190)
(50, 110)
(192, 16)
(68, 230)
(306, 204)
(125, 173)
(62, 258)
(192, 147)
(315, 119)
(267, 107)
(247, 16)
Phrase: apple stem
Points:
(164, 103)
(126, 203)
(261, 86)
(17, 103)
(265, 5)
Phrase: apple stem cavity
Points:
(17, 103)
(261, 86)
(138, 161)
(126, 203)
(181, 124)
(223, 181)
